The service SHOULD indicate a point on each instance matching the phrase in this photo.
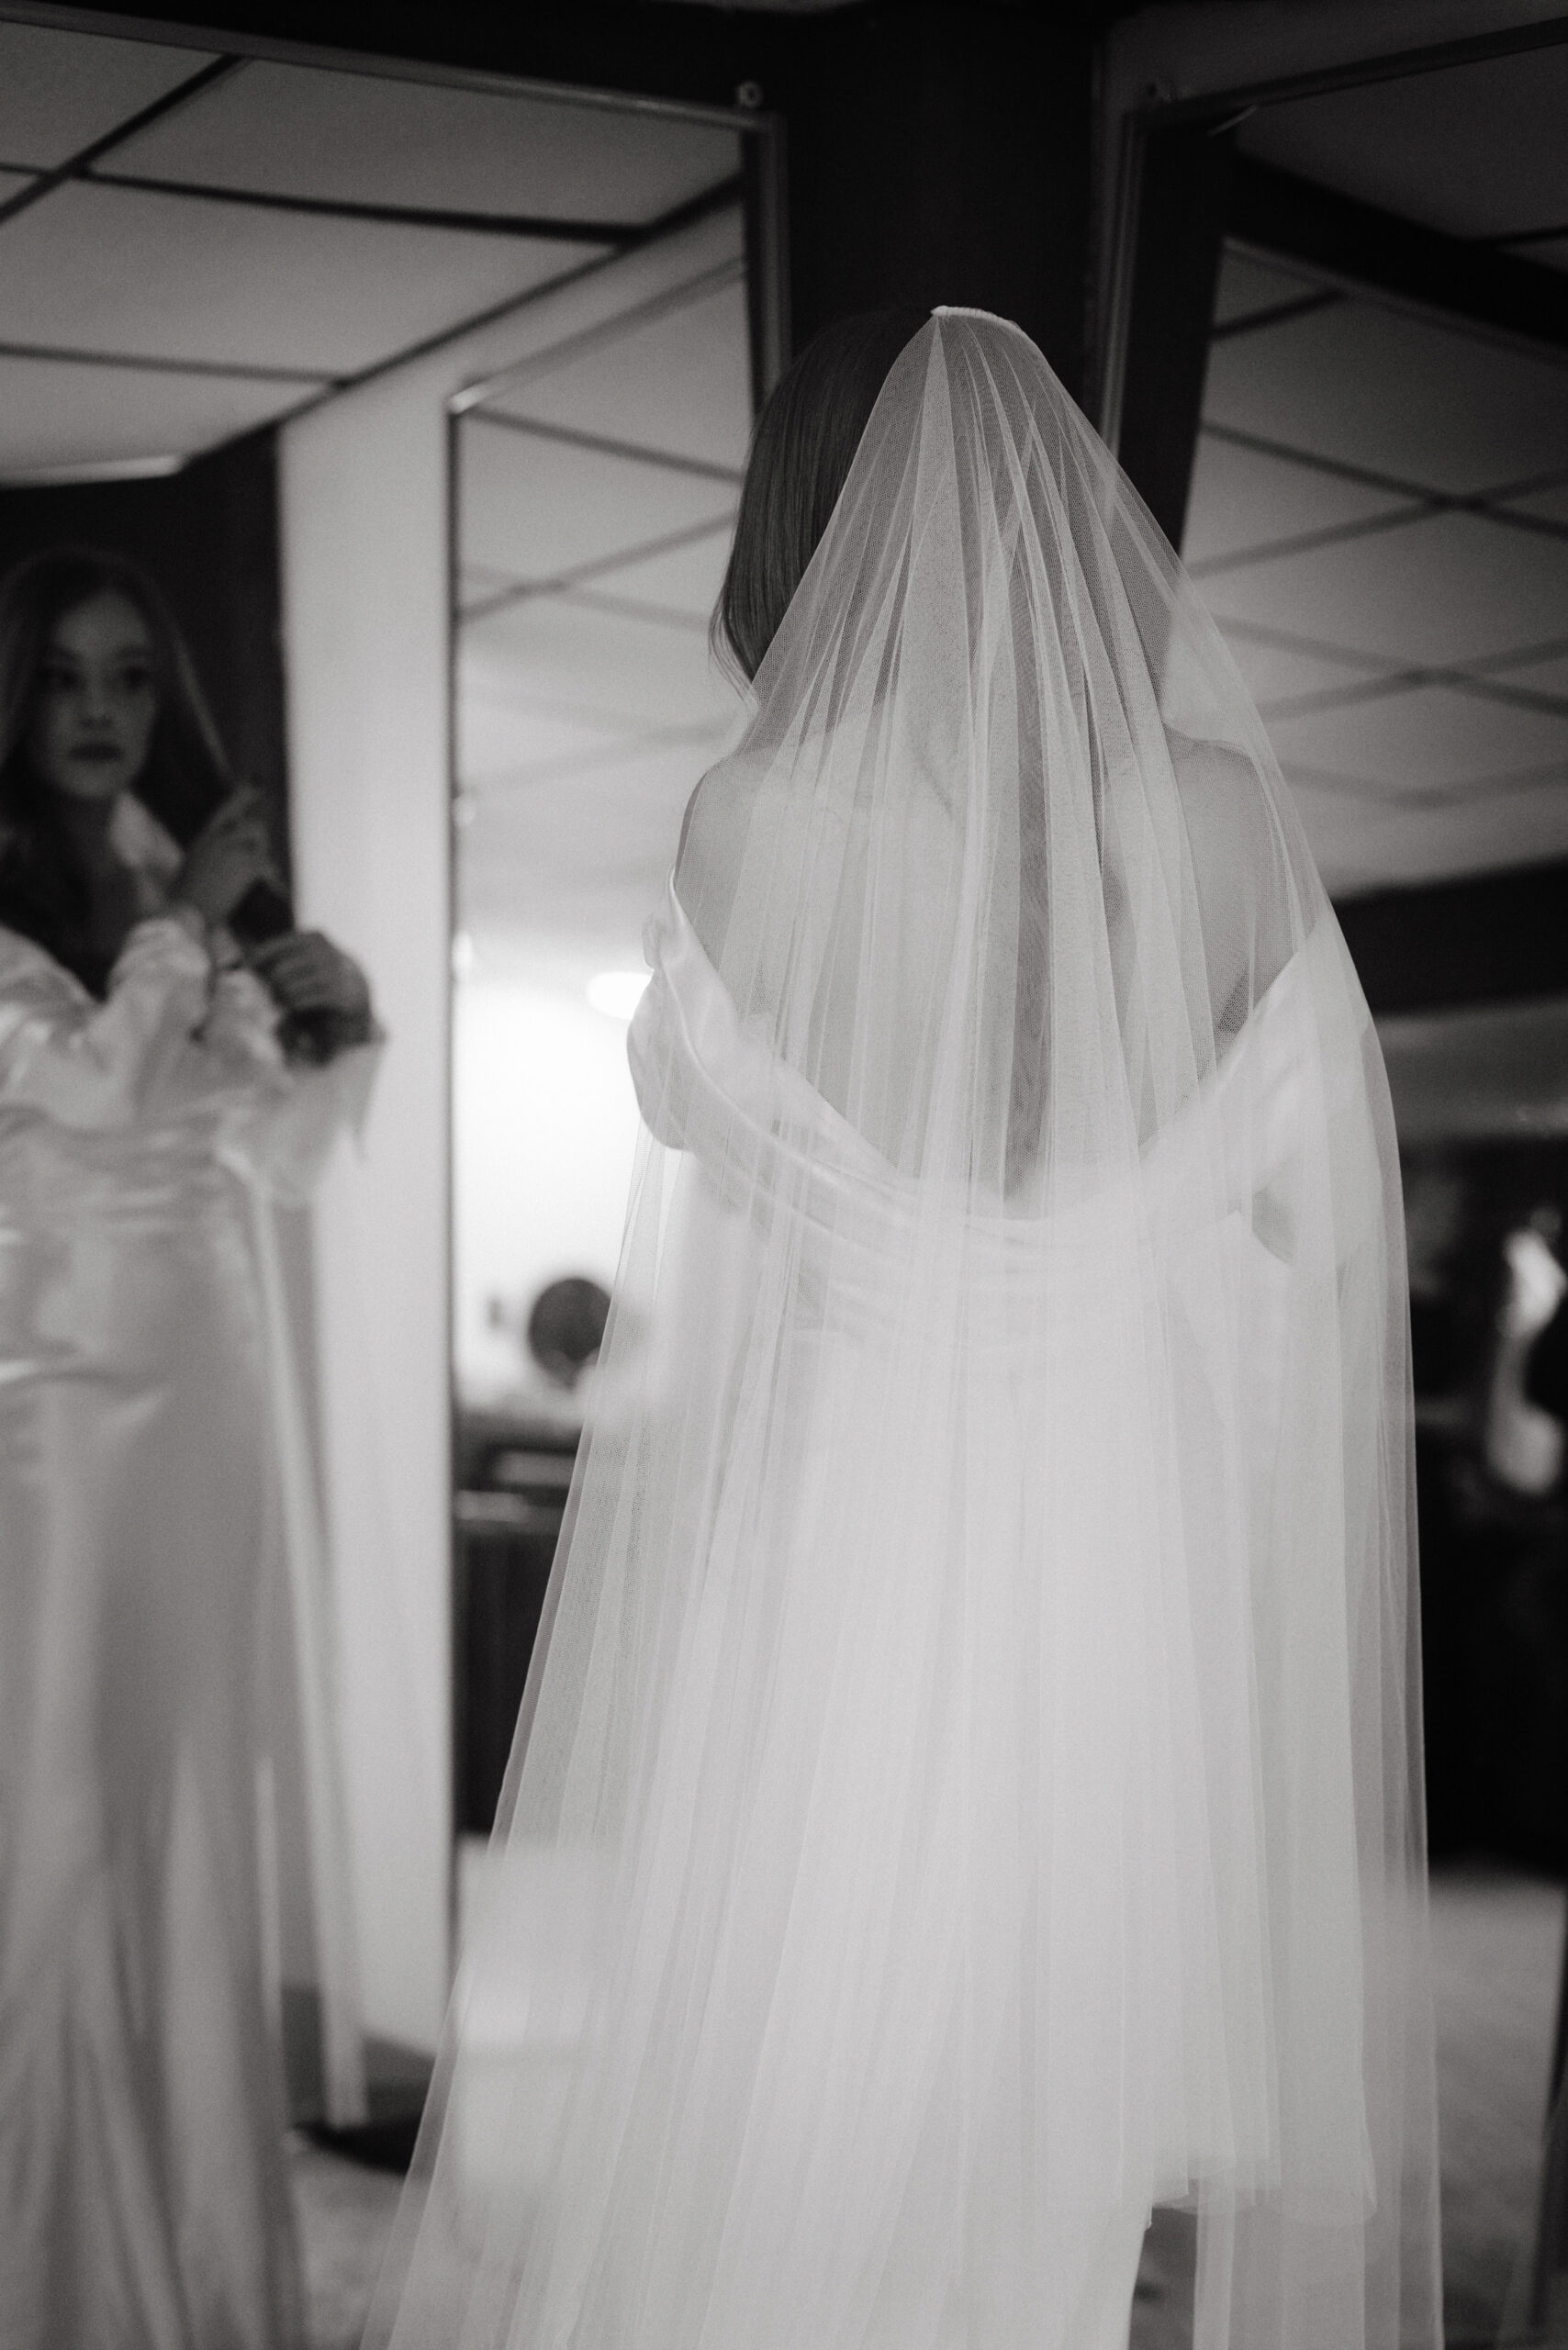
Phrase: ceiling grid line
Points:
(247, 139)
(545, 228)
(140, 362)
(524, 590)
(220, 69)
(635, 452)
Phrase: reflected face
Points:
(97, 702)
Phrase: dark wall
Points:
(208, 535)
(1490, 938)
(937, 151)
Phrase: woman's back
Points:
(971, 1728)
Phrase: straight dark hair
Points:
(42, 894)
(802, 450)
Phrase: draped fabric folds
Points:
(968, 1789)
(144, 2193)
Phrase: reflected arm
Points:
(89, 1065)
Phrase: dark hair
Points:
(43, 894)
(565, 1330)
(802, 450)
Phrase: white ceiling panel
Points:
(296, 131)
(621, 813)
(161, 276)
(588, 858)
(1246, 286)
(1241, 498)
(682, 382)
(685, 581)
(1361, 844)
(479, 582)
(534, 508)
(56, 415)
(1427, 739)
(61, 91)
(507, 738)
(1276, 673)
(1439, 592)
(602, 666)
(1478, 150)
(1550, 504)
(573, 834)
(1378, 389)
(1546, 676)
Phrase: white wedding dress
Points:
(144, 2201)
(967, 1790)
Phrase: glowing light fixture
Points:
(617, 993)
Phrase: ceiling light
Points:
(617, 993)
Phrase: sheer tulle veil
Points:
(969, 1784)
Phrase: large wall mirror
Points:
(1339, 369)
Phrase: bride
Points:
(967, 1791)
(144, 2199)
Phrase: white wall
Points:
(365, 548)
(364, 524)
(545, 1138)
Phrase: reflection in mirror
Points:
(596, 489)
(1377, 517)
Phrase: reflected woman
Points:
(146, 1078)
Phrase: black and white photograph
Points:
(784, 1175)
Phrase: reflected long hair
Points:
(802, 450)
(43, 892)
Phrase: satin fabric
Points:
(144, 2200)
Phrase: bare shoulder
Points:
(1230, 824)
(1238, 866)
(716, 833)
(718, 816)
(1219, 786)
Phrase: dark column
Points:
(942, 153)
(1181, 232)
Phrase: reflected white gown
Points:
(967, 1790)
(144, 2202)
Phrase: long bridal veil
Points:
(968, 1785)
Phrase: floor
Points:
(1498, 1946)
(346, 2212)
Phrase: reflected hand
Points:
(232, 851)
(308, 975)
